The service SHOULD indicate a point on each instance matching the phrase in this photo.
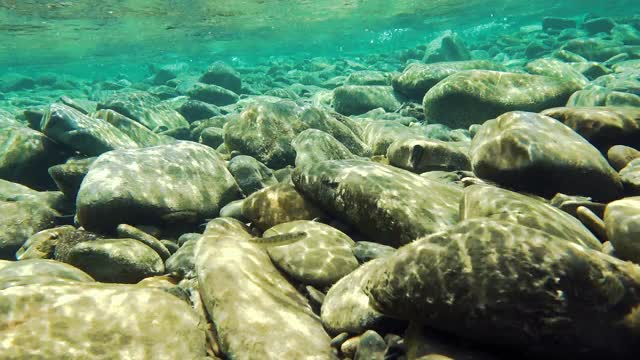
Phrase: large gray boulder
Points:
(185, 182)
(536, 153)
(505, 284)
(473, 96)
(389, 205)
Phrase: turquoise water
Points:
(319, 179)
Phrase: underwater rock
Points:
(346, 307)
(277, 204)
(26, 154)
(320, 258)
(371, 346)
(447, 47)
(251, 304)
(627, 34)
(482, 201)
(19, 220)
(538, 154)
(167, 72)
(620, 156)
(8, 120)
(601, 126)
(98, 320)
(598, 25)
(89, 136)
(193, 110)
(599, 96)
(380, 134)
(366, 251)
(16, 82)
(630, 177)
(622, 222)
(595, 49)
(116, 260)
(557, 69)
(222, 75)
(185, 182)
(68, 176)
(422, 155)
(42, 244)
(368, 77)
(313, 146)
(557, 23)
(417, 78)
(182, 262)
(134, 130)
(343, 128)
(473, 96)
(358, 99)
(484, 273)
(32, 269)
(131, 232)
(212, 137)
(212, 94)
(251, 175)
(389, 205)
(265, 131)
(145, 109)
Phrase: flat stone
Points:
(344, 129)
(422, 155)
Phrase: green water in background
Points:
(100, 39)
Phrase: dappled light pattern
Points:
(43, 268)
(320, 258)
(536, 153)
(97, 321)
(473, 96)
(139, 133)
(182, 182)
(145, 109)
(499, 204)
(256, 312)
(391, 206)
(19, 219)
(557, 69)
(278, 204)
(89, 136)
(512, 285)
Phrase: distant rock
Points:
(557, 23)
(358, 99)
(447, 47)
(222, 75)
(473, 96)
(212, 94)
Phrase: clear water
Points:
(103, 38)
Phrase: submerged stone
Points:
(389, 205)
(536, 153)
(251, 304)
(422, 155)
(622, 224)
(477, 280)
(250, 174)
(134, 130)
(185, 182)
(474, 96)
(447, 47)
(68, 176)
(313, 145)
(358, 99)
(145, 109)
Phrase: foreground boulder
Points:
(256, 312)
(471, 97)
(162, 184)
(536, 153)
(78, 320)
(484, 280)
(389, 205)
